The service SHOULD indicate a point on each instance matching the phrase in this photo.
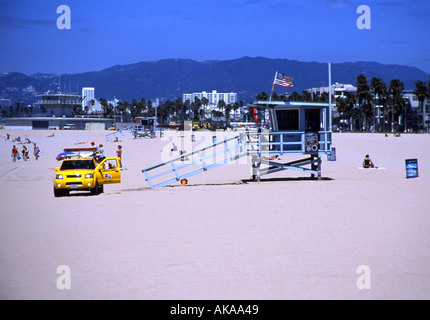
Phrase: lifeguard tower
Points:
(296, 129)
(145, 128)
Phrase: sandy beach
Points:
(218, 237)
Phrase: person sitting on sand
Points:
(270, 158)
(367, 162)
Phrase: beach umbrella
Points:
(64, 155)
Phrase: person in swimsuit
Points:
(367, 162)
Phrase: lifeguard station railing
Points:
(279, 143)
(197, 161)
(120, 133)
(254, 144)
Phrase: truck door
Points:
(109, 171)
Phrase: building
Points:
(58, 123)
(59, 104)
(213, 97)
(338, 90)
(88, 94)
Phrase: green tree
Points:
(262, 97)
(306, 96)
(398, 105)
(422, 93)
(364, 101)
(221, 106)
(351, 111)
(294, 97)
(227, 113)
(104, 104)
(236, 107)
(379, 93)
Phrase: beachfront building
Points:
(213, 98)
(59, 104)
(88, 94)
(339, 90)
(59, 123)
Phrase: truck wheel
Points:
(95, 189)
(57, 193)
(60, 192)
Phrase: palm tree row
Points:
(373, 106)
(383, 107)
(176, 110)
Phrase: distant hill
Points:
(170, 78)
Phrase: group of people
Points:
(99, 154)
(25, 153)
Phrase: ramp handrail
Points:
(238, 147)
(120, 133)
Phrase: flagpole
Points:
(273, 87)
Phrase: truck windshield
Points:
(78, 164)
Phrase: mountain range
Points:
(171, 78)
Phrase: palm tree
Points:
(205, 103)
(294, 96)
(397, 103)
(364, 98)
(350, 113)
(262, 97)
(379, 90)
(422, 93)
(221, 106)
(235, 108)
(306, 96)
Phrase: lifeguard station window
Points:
(312, 120)
(288, 120)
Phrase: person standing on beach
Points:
(25, 153)
(101, 153)
(36, 151)
(119, 155)
(14, 153)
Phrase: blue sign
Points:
(331, 155)
(411, 168)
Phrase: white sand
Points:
(217, 238)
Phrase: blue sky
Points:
(106, 33)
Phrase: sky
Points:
(107, 33)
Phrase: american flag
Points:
(283, 80)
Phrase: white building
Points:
(214, 97)
(88, 94)
(338, 90)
